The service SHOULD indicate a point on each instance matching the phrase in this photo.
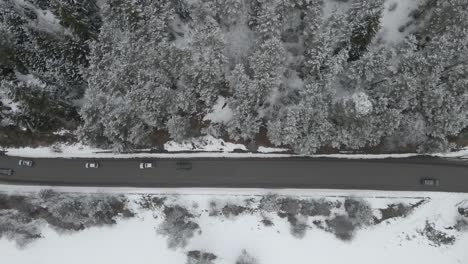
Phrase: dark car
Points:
(183, 165)
(8, 172)
(26, 163)
(430, 182)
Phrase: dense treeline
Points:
(44, 46)
(309, 74)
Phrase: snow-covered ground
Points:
(221, 113)
(396, 19)
(206, 146)
(289, 226)
(46, 20)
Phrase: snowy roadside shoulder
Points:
(206, 146)
(202, 147)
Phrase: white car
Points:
(92, 165)
(26, 163)
(146, 165)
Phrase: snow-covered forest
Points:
(312, 75)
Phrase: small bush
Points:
(230, 210)
(22, 216)
(151, 202)
(245, 258)
(200, 257)
(315, 208)
(178, 226)
(359, 211)
(341, 226)
(437, 237)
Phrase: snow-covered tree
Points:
(364, 22)
(129, 90)
(244, 103)
(178, 126)
(207, 75)
(311, 74)
(305, 126)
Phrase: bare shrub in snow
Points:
(267, 222)
(246, 258)
(358, 214)
(22, 216)
(18, 227)
(341, 226)
(200, 257)
(436, 237)
(213, 210)
(231, 210)
(151, 202)
(289, 206)
(77, 212)
(316, 207)
(296, 211)
(299, 226)
(394, 211)
(178, 226)
(463, 211)
(269, 203)
(461, 225)
(359, 211)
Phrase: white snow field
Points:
(266, 226)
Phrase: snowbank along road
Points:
(383, 174)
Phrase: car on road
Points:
(146, 165)
(26, 163)
(8, 172)
(92, 165)
(183, 165)
(430, 182)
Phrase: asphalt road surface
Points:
(386, 174)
